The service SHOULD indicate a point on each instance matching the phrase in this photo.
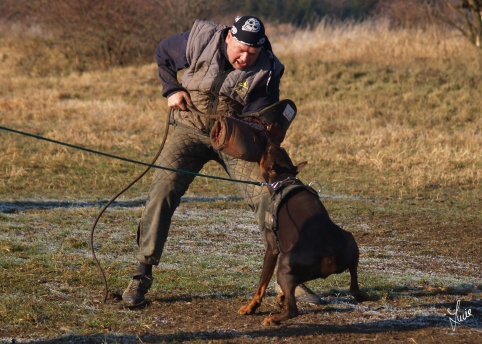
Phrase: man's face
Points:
(240, 55)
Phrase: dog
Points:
(299, 230)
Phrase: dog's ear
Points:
(300, 166)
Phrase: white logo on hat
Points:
(252, 25)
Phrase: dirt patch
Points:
(415, 266)
(339, 319)
(213, 318)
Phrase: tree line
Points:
(104, 33)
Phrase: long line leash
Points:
(148, 167)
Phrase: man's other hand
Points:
(179, 100)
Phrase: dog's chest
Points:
(280, 197)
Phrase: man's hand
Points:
(179, 100)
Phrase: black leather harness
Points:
(280, 192)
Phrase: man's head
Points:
(244, 41)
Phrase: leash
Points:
(39, 137)
(148, 167)
(91, 240)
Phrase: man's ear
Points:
(300, 166)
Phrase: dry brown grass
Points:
(118, 112)
(382, 112)
(393, 115)
(402, 104)
(376, 42)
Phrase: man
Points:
(229, 72)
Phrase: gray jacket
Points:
(206, 57)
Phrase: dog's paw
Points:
(244, 310)
(248, 309)
(361, 296)
(269, 321)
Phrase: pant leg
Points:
(187, 149)
(257, 197)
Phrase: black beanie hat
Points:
(249, 30)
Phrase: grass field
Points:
(390, 122)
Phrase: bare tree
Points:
(179, 15)
(465, 16)
(405, 13)
(104, 33)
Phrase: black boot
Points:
(139, 285)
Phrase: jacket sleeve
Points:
(171, 58)
(264, 96)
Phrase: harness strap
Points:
(280, 193)
(224, 70)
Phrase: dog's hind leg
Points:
(359, 295)
(280, 299)
(351, 258)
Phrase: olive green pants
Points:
(189, 150)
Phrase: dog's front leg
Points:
(269, 264)
(288, 283)
(290, 310)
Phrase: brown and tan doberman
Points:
(299, 231)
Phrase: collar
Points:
(288, 181)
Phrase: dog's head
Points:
(276, 164)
